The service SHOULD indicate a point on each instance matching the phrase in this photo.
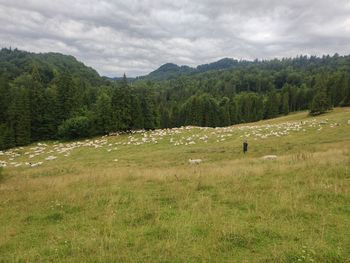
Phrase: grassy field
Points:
(135, 198)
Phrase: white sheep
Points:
(269, 157)
(50, 158)
(194, 161)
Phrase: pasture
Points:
(136, 198)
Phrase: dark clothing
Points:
(245, 147)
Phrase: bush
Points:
(74, 128)
(320, 104)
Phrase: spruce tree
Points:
(19, 115)
(4, 98)
(104, 114)
(66, 91)
(225, 112)
(7, 139)
(38, 107)
(137, 120)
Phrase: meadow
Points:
(135, 197)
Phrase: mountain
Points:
(171, 70)
(16, 62)
(168, 71)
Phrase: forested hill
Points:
(53, 96)
(14, 63)
(171, 71)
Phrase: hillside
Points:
(135, 198)
(15, 63)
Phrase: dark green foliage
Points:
(168, 71)
(149, 110)
(201, 111)
(165, 121)
(74, 128)
(66, 92)
(285, 103)
(249, 107)
(103, 114)
(320, 104)
(345, 91)
(19, 115)
(121, 107)
(272, 105)
(225, 112)
(7, 139)
(16, 62)
(137, 118)
(4, 98)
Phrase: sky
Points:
(137, 36)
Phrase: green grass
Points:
(152, 206)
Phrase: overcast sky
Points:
(137, 37)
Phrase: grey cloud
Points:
(138, 36)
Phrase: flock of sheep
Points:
(184, 136)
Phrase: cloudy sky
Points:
(137, 36)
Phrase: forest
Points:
(53, 96)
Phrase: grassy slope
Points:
(152, 206)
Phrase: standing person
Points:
(245, 146)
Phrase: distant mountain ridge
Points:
(171, 70)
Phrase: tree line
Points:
(43, 102)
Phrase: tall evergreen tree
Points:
(104, 114)
(225, 112)
(19, 115)
(66, 91)
(137, 119)
(4, 98)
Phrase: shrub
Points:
(320, 104)
(74, 128)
